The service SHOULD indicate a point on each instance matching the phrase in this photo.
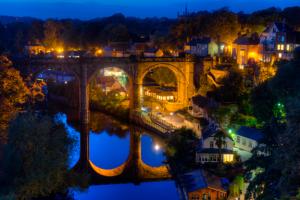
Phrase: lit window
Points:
(227, 157)
(278, 46)
(279, 55)
(287, 47)
(282, 47)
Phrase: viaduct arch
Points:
(136, 69)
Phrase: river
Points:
(109, 148)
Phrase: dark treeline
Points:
(80, 34)
(223, 25)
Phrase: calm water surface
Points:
(109, 148)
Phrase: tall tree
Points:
(13, 93)
(36, 158)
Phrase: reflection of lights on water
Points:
(156, 147)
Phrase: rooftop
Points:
(214, 151)
(246, 40)
(204, 40)
(251, 133)
(200, 179)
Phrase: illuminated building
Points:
(201, 184)
(279, 40)
(35, 49)
(209, 152)
(202, 47)
(160, 95)
(247, 50)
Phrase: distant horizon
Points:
(77, 9)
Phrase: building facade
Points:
(201, 47)
(247, 50)
(200, 185)
(209, 152)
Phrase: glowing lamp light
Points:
(252, 55)
(157, 108)
(241, 67)
(171, 113)
(60, 50)
(156, 147)
(99, 52)
(230, 131)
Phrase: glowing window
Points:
(280, 55)
(282, 47)
(278, 46)
(288, 47)
(227, 157)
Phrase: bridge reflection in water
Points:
(133, 170)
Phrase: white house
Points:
(279, 41)
(247, 138)
(201, 47)
(208, 151)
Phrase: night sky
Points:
(87, 9)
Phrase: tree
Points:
(222, 26)
(13, 94)
(53, 34)
(233, 88)
(181, 150)
(279, 177)
(36, 157)
(220, 140)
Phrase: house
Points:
(139, 45)
(200, 184)
(269, 36)
(247, 50)
(116, 49)
(109, 84)
(208, 150)
(153, 52)
(34, 49)
(160, 94)
(247, 138)
(201, 47)
(279, 40)
(286, 43)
